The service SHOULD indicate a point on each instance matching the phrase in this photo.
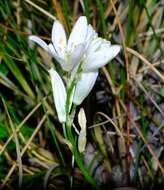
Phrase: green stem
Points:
(84, 170)
(64, 131)
(78, 157)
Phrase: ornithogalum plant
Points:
(80, 56)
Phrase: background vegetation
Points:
(125, 111)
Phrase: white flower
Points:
(99, 53)
(59, 94)
(68, 53)
(84, 86)
(83, 46)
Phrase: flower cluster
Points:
(83, 49)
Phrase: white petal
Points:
(95, 45)
(59, 38)
(82, 140)
(78, 33)
(74, 57)
(60, 60)
(39, 41)
(100, 58)
(82, 119)
(59, 94)
(91, 34)
(84, 86)
(54, 53)
(56, 56)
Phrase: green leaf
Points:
(99, 137)
(3, 69)
(26, 131)
(3, 131)
(162, 92)
(19, 76)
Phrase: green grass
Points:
(26, 99)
